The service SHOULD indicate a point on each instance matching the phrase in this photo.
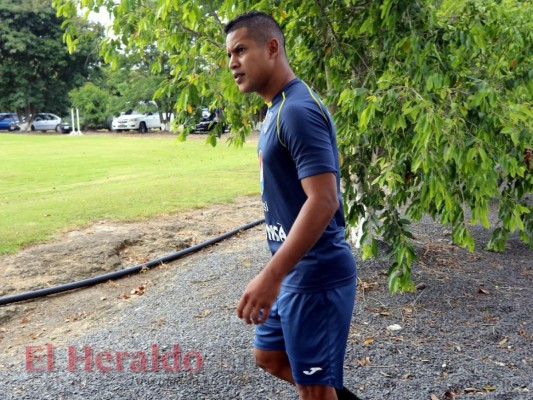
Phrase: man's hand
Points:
(258, 297)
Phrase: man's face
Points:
(249, 62)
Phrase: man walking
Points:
(302, 300)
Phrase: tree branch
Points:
(337, 40)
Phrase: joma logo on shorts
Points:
(276, 233)
(312, 370)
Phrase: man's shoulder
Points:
(297, 89)
(301, 95)
(302, 103)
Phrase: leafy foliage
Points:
(36, 69)
(432, 100)
(442, 126)
(93, 102)
(128, 85)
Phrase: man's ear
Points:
(273, 47)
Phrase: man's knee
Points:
(273, 362)
(316, 392)
(263, 362)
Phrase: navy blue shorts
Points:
(312, 328)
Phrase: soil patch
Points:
(100, 248)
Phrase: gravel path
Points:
(466, 333)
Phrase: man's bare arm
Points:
(316, 213)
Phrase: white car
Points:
(133, 120)
(46, 122)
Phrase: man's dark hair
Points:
(260, 25)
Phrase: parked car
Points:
(209, 121)
(9, 122)
(46, 122)
(134, 120)
(64, 126)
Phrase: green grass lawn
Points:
(52, 183)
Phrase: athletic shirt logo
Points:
(261, 179)
(264, 130)
(266, 122)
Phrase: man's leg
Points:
(271, 356)
(345, 394)
(277, 364)
(316, 328)
(274, 362)
(316, 392)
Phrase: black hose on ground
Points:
(123, 272)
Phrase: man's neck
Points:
(277, 84)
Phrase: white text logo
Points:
(276, 233)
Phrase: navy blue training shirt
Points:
(298, 140)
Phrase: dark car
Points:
(211, 120)
(9, 122)
(207, 122)
(64, 126)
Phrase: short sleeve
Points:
(307, 136)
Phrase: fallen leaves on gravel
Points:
(367, 286)
(407, 310)
(75, 317)
(449, 395)
(503, 341)
(363, 362)
(204, 314)
(379, 310)
(139, 291)
(472, 390)
(524, 333)
(368, 340)
(34, 336)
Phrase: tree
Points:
(442, 122)
(134, 82)
(115, 90)
(432, 101)
(93, 104)
(36, 69)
